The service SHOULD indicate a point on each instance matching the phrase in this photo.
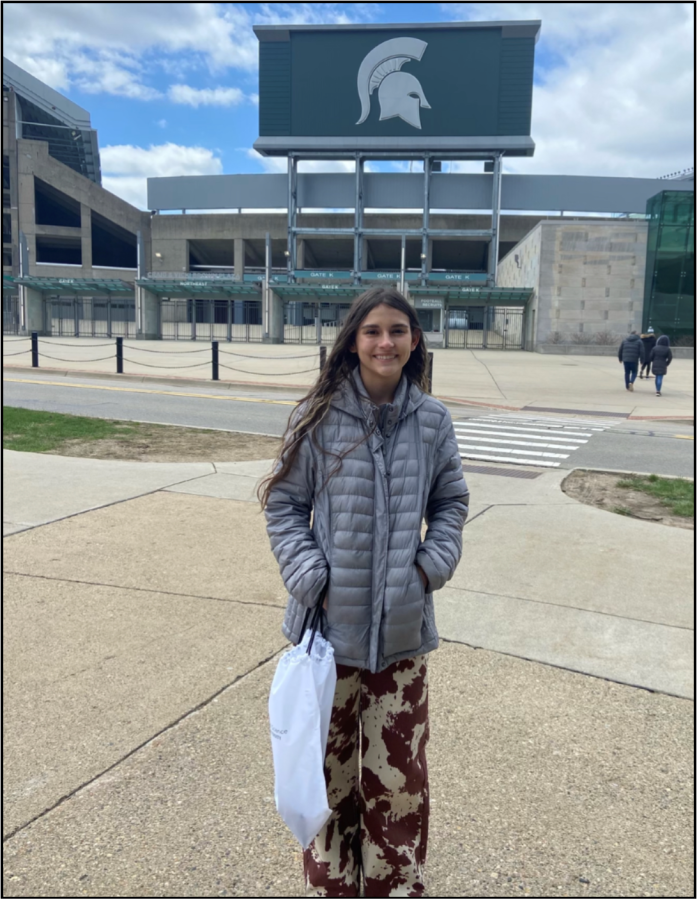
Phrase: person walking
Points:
(661, 357)
(649, 342)
(631, 352)
(369, 454)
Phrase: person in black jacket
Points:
(631, 352)
(661, 357)
(649, 342)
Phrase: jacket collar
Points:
(352, 398)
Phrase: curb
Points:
(624, 472)
(275, 386)
(161, 379)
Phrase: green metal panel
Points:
(473, 82)
(457, 276)
(515, 85)
(274, 87)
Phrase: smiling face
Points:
(384, 341)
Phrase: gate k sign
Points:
(400, 93)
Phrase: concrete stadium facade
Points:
(79, 260)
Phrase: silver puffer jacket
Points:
(365, 536)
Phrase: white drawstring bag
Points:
(300, 709)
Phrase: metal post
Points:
(322, 357)
(214, 345)
(429, 371)
(35, 349)
(358, 222)
(292, 223)
(495, 215)
(402, 264)
(119, 356)
(424, 229)
(267, 280)
(230, 303)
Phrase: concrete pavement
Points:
(493, 378)
(142, 613)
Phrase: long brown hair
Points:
(340, 364)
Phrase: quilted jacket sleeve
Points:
(446, 512)
(303, 566)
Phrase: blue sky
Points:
(171, 87)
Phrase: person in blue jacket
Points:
(661, 357)
(631, 353)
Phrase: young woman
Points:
(660, 358)
(369, 454)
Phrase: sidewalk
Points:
(143, 610)
(491, 378)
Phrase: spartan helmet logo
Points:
(400, 93)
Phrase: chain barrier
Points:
(150, 350)
(191, 366)
(61, 359)
(120, 359)
(249, 355)
(247, 372)
(10, 340)
(59, 344)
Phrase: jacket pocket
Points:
(429, 630)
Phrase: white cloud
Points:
(125, 168)
(614, 86)
(113, 47)
(112, 73)
(315, 13)
(162, 123)
(279, 164)
(220, 96)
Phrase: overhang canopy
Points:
(318, 291)
(76, 285)
(476, 296)
(191, 287)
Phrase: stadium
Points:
(489, 260)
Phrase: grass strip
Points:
(676, 493)
(35, 431)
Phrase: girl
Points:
(369, 454)
(660, 358)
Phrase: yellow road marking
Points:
(133, 390)
(686, 437)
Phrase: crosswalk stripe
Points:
(522, 452)
(510, 459)
(483, 437)
(595, 423)
(501, 423)
(498, 441)
(554, 436)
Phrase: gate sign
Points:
(447, 86)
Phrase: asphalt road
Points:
(662, 448)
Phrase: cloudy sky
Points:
(172, 87)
